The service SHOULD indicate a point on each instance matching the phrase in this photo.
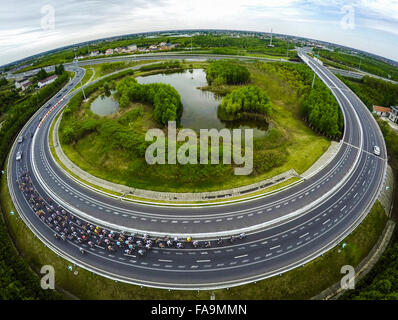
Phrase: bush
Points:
(173, 64)
(164, 98)
(249, 99)
(265, 160)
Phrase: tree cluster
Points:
(322, 111)
(164, 98)
(42, 74)
(167, 65)
(318, 105)
(248, 99)
(59, 69)
(373, 91)
(221, 72)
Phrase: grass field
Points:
(289, 134)
(301, 283)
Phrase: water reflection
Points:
(105, 104)
(200, 107)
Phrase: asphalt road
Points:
(284, 230)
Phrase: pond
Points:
(200, 107)
(104, 105)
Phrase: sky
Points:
(29, 27)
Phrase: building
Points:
(153, 47)
(381, 111)
(394, 114)
(26, 85)
(132, 48)
(20, 84)
(94, 53)
(47, 81)
(109, 52)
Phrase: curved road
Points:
(285, 230)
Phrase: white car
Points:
(20, 139)
(19, 155)
(376, 150)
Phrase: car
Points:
(376, 150)
(20, 139)
(19, 155)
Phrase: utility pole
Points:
(88, 54)
(287, 49)
(360, 61)
(81, 84)
(191, 43)
(270, 43)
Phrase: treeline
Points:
(318, 105)
(173, 64)
(113, 66)
(165, 99)
(222, 44)
(116, 133)
(221, 72)
(42, 74)
(248, 99)
(373, 91)
(363, 63)
(381, 283)
(17, 281)
(20, 113)
(7, 97)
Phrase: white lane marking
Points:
(242, 256)
(303, 235)
(163, 260)
(326, 221)
(275, 247)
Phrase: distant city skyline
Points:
(28, 28)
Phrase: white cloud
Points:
(76, 21)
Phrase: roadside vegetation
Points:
(167, 66)
(221, 72)
(205, 43)
(381, 283)
(243, 102)
(17, 281)
(362, 62)
(373, 91)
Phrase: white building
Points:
(47, 81)
(21, 83)
(109, 52)
(381, 111)
(132, 48)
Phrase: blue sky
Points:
(29, 27)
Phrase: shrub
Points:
(226, 72)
